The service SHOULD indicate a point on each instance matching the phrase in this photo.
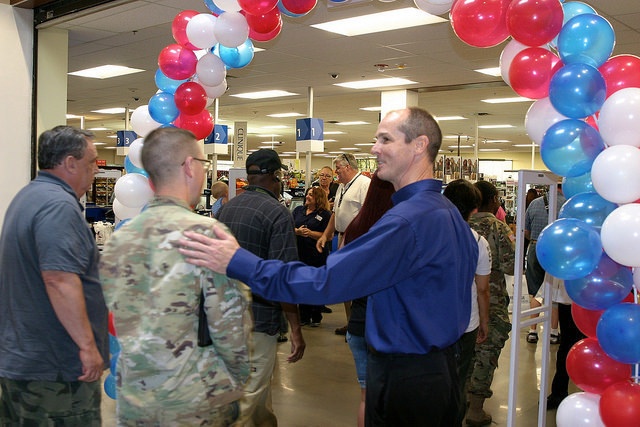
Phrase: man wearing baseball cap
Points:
(264, 227)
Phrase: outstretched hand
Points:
(212, 253)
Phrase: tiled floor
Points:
(321, 390)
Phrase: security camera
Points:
(334, 75)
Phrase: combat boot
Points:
(476, 416)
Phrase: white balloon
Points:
(231, 29)
(216, 91)
(615, 174)
(210, 70)
(540, 117)
(141, 121)
(619, 118)
(200, 31)
(620, 234)
(579, 409)
(135, 150)
(228, 5)
(506, 58)
(133, 190)
(434, 7)
(123, 212)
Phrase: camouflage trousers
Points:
(486, 357)
(50, 404)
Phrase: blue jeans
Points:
(358, 346)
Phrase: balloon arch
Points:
(585, 118)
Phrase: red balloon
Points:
(480, 23)
(586, 320)
(299, 7)
(177, 62)
(591, 369)
(534, 22)
(112, 325)
(531, 71)
(257, 7)
(200, 124)
(264, 23)
(260, 37)
(179, 28)
(621, 71)
(620, 405)
(190, 98)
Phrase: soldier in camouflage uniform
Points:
(163, 377)
(502, 244)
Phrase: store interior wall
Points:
(16, 53)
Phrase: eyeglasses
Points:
(208, 164)
(325, 175)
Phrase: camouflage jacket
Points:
(503, 253)
(154, 296)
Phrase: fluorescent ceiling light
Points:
(272, 142)
(376, 83)
(112, 136)
(109, 148)
(371, 108)
(377, 22)
(446, 118)
(333, 132)
(349, 149)
(493, 71)
(98, 128)
(276, 127)
(352, 123)
(490, 149)
(330, 140)
(72, 116)
(495, 126)
(99, 143)
(116, 110)
(506, 100)
(495, 141)
(525, 145)
(264, 94)
(267, 135)
(335, 152)
(453, 147)
(106, 72)
(364, 144)
(281, 115)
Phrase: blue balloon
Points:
(569, 249)
(113, 363)
(569, 147)
(618, 332)
(213, 7)
(236, 57)
(577, 90)
(586, 38)
(162, 108)
(110, 386)
(167, 84)
(571, 9)
(573, 185)
(589, 207)
(121, 223)
(114, 345)
(607, 285)
(129, 167)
